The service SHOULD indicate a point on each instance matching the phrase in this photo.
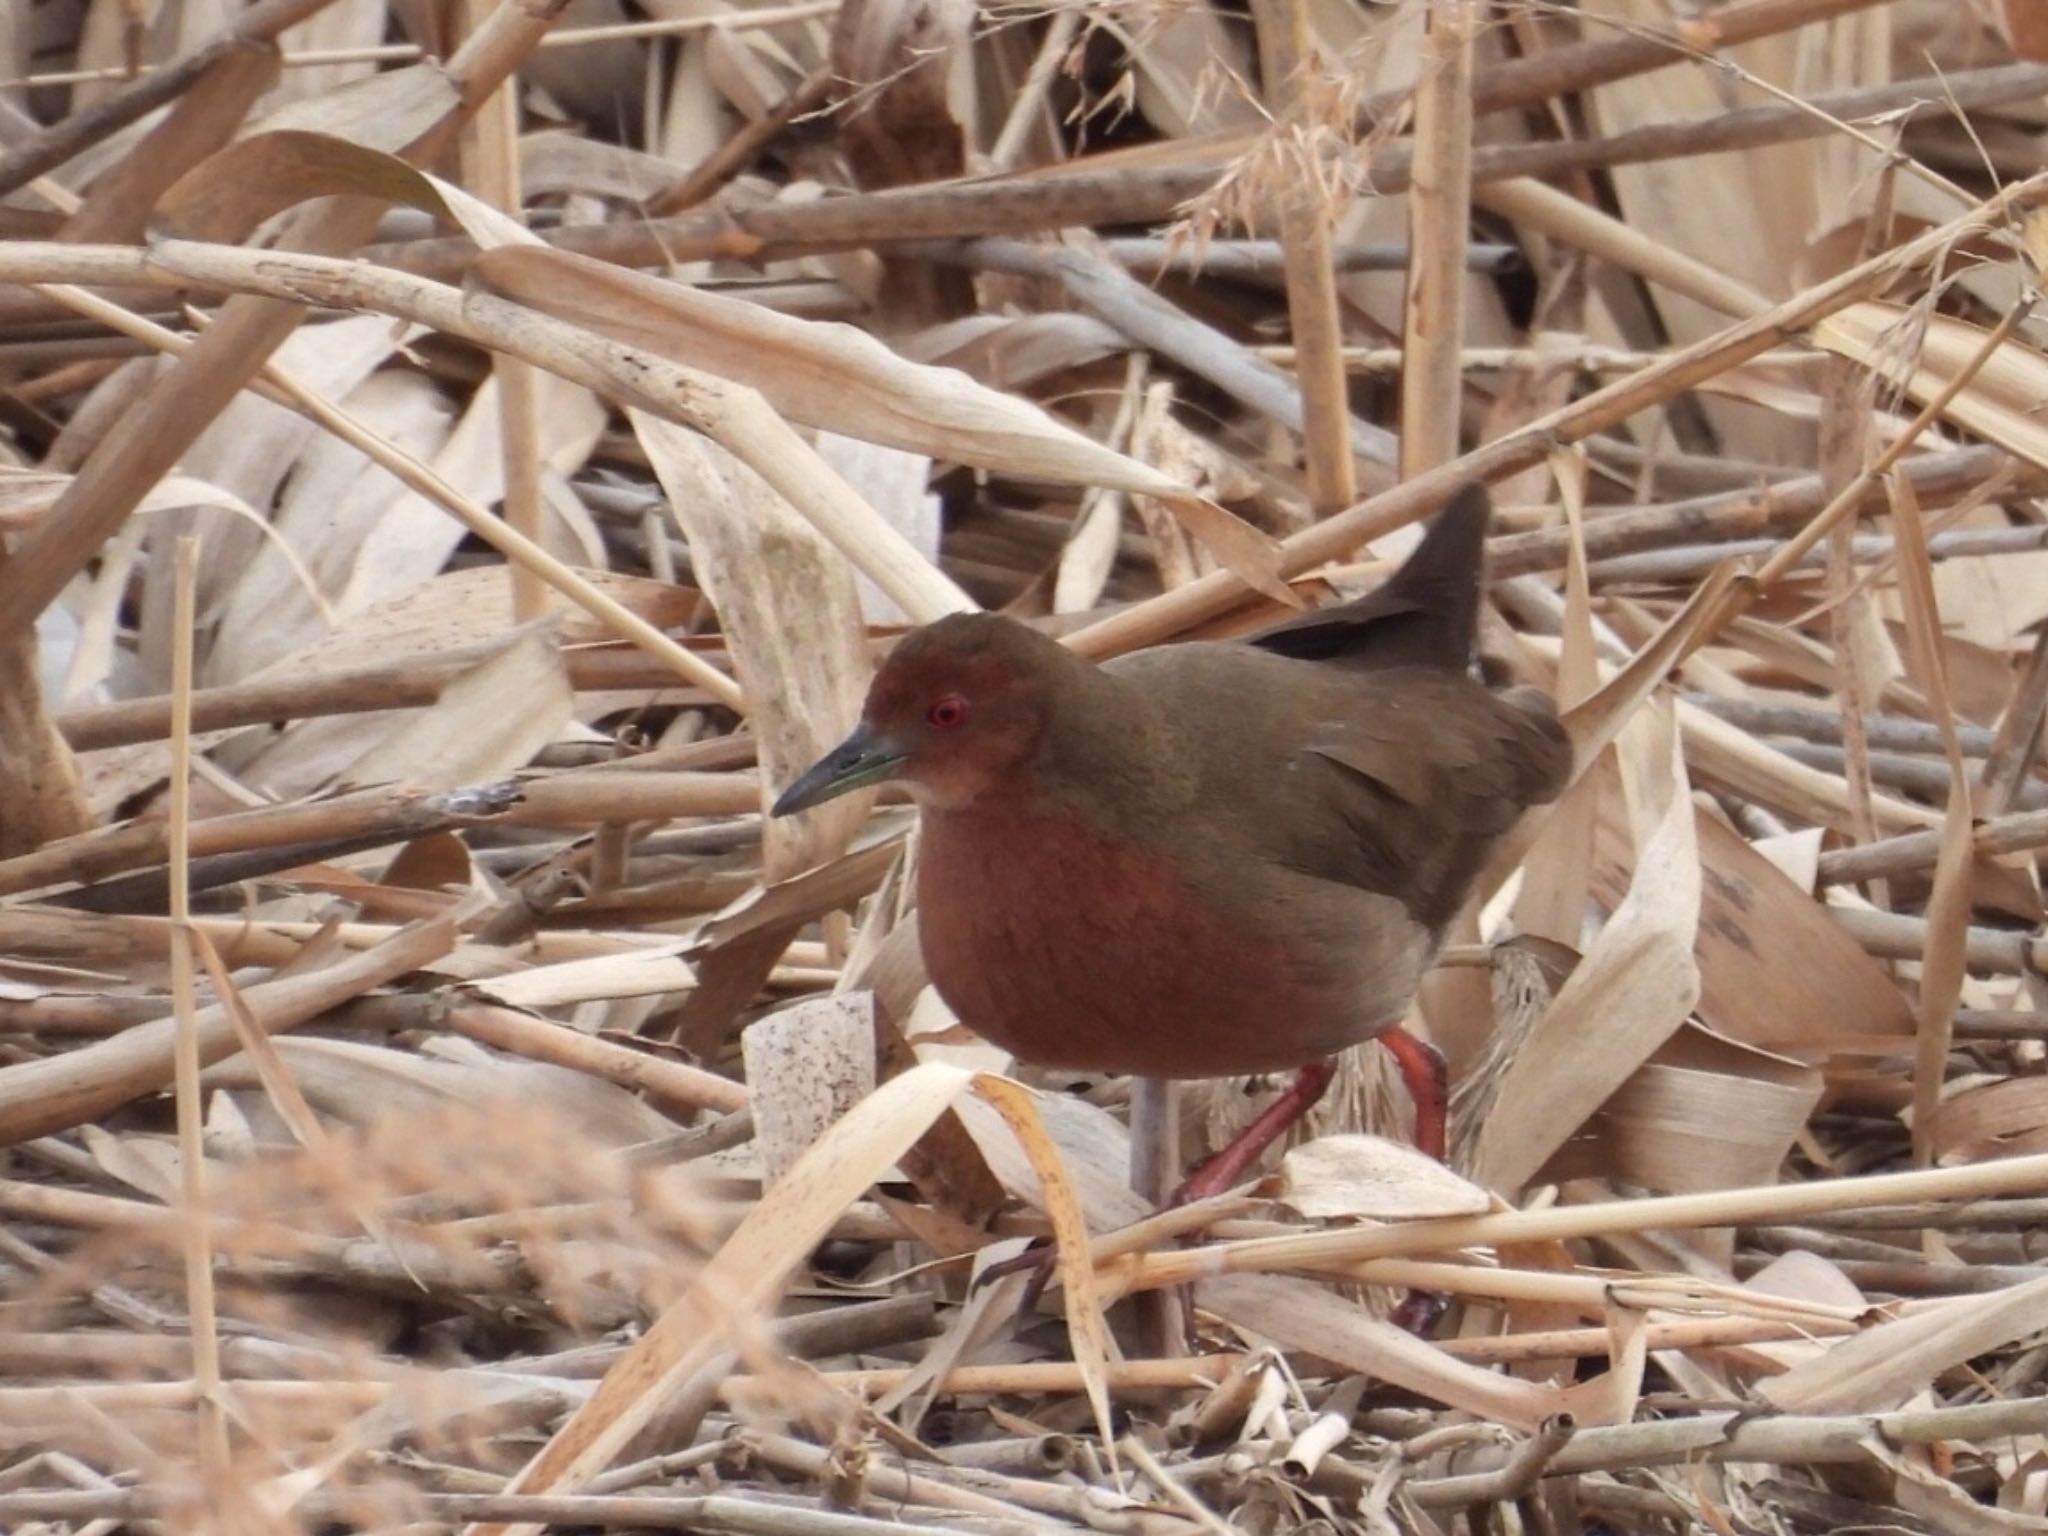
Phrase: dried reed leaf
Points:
(1991, 1120)
(1701, 1113)
(1775, 970)
(1558, 874)
(1293, 1313)
(1944, 961)
(1088, 1330)
(790, 611)
(1636, 984)
(1884, 1366)
(821, 375)
(487, 723)
(1922, 354)
(650, 972)
(359, 1084)
(344, 142)
(1300, 1315)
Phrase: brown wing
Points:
(1424, 774)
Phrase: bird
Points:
(1213, 858)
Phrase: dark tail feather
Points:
(1427, 613)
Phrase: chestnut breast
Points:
(1075, 950)
(1176, 884)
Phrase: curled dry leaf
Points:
(487, 722)
(1372, 1177)
(1922, 354)
(1637, 982)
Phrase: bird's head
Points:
(957, 707)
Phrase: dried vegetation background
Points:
(459, 458)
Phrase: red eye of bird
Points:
(947, 712)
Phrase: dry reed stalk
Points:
(1783, 508)
(1066, 195)
(413, 680)
(384, 814)
(2021, 1175)
(406, 53)
(1899, 936)
(543, 1040)
(612, 871)
(1288, 66)
(209, 1423)
(1439, 226)
(53, 1093)
(1845, 500)
(1536, 206)
(490, 156)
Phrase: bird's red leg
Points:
(1427, 1077)
(1228, 1166)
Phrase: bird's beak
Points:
(866, 757)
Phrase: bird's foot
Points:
(1040, 1260)
(1419, 1312)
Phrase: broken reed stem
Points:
(195, 1224)
(394, 811)
(1913, 852)
(1783, 508)
(732, 157)
(1901, 936)
(1028, 109)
